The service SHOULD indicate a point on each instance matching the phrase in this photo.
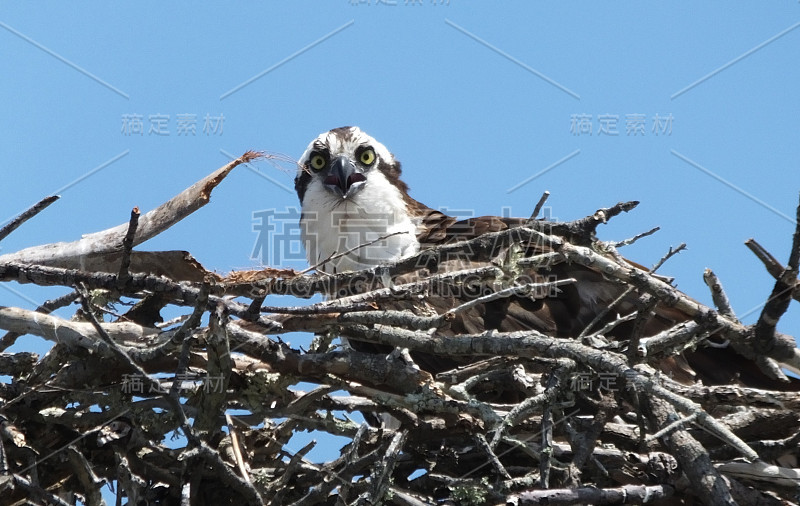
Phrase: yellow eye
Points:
(317, 162)
(367, 156)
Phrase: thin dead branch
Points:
(74, 254)
(29, 213)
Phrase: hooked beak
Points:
(344, 178)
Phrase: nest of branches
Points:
(591, 421)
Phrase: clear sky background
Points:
(689, 107)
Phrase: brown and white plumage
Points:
(351, 194)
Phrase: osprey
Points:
(357, 213)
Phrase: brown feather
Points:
(562, 314)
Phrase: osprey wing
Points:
(570, 310)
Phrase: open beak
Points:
(344, 178)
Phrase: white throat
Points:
(331, 226)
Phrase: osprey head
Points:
(343, 161)
(356, 213)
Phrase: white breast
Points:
(331, 225)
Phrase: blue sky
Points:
(474, 99)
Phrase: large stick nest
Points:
(592, 421)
